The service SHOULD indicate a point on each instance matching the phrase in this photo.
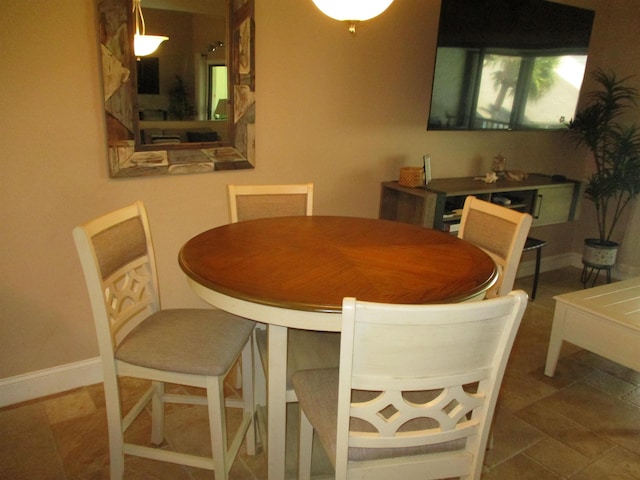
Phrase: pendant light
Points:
(144, 44)
(352, 11)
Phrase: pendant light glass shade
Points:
(352, 10)
(144, 44)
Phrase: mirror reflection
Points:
(172, 110)
(183, 86)
(508, 65)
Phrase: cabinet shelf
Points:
(548, 201)
(517, 206)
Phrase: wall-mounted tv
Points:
(508, 64)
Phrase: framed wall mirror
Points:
(508, 65)
(189, 106)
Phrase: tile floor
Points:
(583, 424)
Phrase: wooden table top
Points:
(311, 263)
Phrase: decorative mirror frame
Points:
(126, 156)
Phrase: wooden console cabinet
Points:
(435, 206)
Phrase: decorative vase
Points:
(599, 255)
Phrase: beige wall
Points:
(342, 112)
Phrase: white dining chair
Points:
(306, 349)
(501, 232)
(415, 391)
(248, 202)
(137, 338)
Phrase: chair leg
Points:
(116, 455)
(114, 424)
(305, 447)
(157, 414)
(259, 366)
(536, 274)
(248, 378)
(217, 426)
(238, 369)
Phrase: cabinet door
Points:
(415, 206)
(554, 204)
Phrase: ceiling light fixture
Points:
(144, 44)
(212, 47)
(352, 11)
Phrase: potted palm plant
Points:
(180, 107)
(615, 149)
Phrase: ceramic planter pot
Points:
(599, 255)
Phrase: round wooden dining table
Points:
(293, 272)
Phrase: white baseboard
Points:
(49, 381)
(547, 264)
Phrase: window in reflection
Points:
(498, 82)
(485, 89)
(561, 96)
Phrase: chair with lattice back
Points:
(136, 338)
(415, 391)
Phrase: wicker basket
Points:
(411, 177)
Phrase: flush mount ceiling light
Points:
(352, 11)
(144, 44)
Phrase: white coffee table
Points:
(604, 320)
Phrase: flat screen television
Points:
(508, 64)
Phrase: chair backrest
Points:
(118, 262)
(247, 202)
(499, 231)
(421, 380)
